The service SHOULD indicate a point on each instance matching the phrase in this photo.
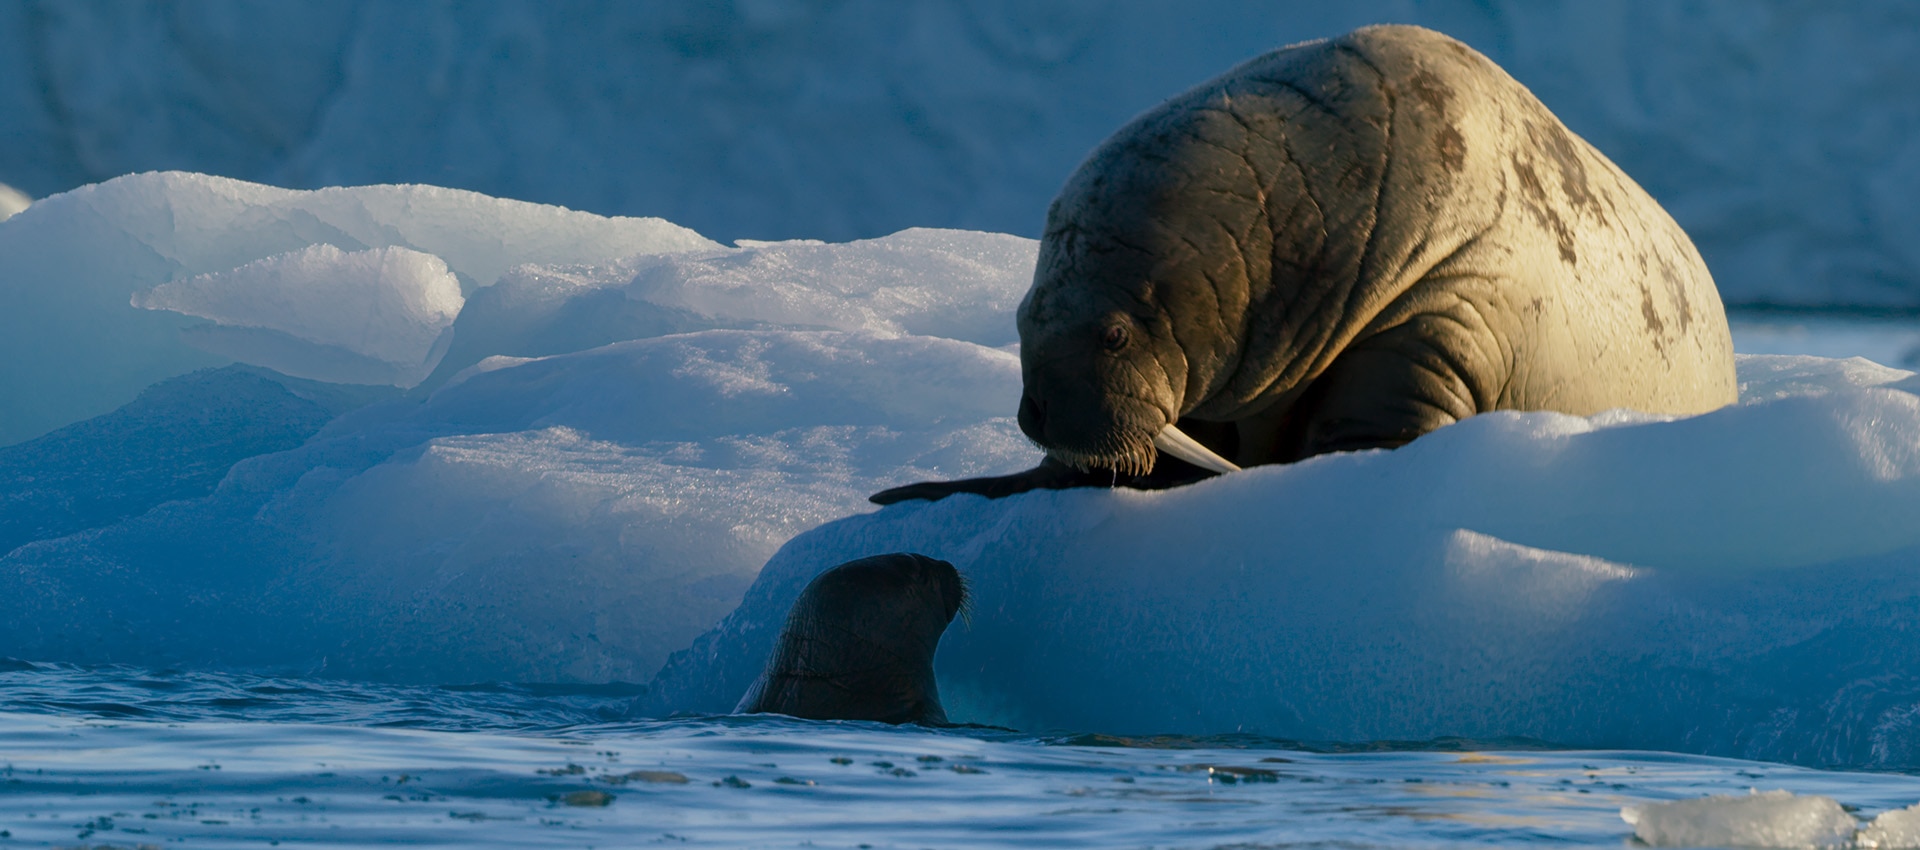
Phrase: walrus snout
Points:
(1087, 429)
(858, 643)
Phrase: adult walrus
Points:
(1341, 245)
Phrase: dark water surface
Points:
(123, 757)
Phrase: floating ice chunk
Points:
(12, 201)
(1896, 828)
(383, 307)
(1766, 819)
(73, 346)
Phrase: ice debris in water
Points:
(1764, 819)
(1769, 819)
(1891, 829)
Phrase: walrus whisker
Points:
(1175, 442)
(1130, 461)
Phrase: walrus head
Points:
(858, 643)
(1139, 304)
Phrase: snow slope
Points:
(1781, 134)
(571, 518)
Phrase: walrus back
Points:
(1331, 192)
(1609, 303)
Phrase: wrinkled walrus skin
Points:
(1341, 245)
(858, 644)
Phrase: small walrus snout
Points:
(859, 642)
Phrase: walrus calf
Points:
(858, 644)
(1342, 245)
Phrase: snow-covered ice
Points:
(352, 317)
(73, 345)
(572, 516)
(1724, 583)
(614, 445)
(953, 284)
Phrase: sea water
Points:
(122, 757)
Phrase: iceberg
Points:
(74, 346)
(1723, 583)
(637, 446)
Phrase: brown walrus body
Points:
(1340, 245)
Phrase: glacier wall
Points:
(1781, 135)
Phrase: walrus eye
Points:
(1115, 338)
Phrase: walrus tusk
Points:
(1175, 442)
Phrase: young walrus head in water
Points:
(858, 644)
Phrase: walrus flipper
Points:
(859, 641)
(1049, 475)
(1388, 390)
(1168, 471)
